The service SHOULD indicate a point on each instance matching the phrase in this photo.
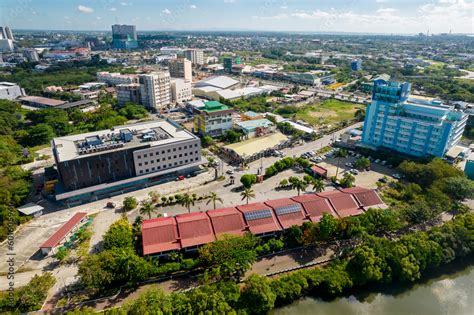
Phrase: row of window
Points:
(167, 151)
(165, 166)
(169, 158)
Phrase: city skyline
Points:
(350, 16)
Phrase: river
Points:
(451, 294)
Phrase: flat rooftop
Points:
(255, 145)
(144, 134)
(42, 100)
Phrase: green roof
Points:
(214, 106)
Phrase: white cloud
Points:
(113, 9)
(283, 7)
(166, 11)
(387, 11)
(125, 3)
(85, 9)
(229, 1)
(381, 1)
(192, 6)
(98, 18)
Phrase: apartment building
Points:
(155, 90)
(181, 68)
(99, 164)
(413, 125)
(114, 78)
(181, 90)
(128, 93)
(212, 119)
(196, 56)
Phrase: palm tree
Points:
(300, 185)
(318, 185)
(147, 208)
(213, 197)
(187, 201)
(247, 194)
(341, 153)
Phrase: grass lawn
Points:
(328, 112)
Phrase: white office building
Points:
(181, 90)
(10, 91)
(181, 68)
(6, 39)
(155, 90)
(196, 56)
(114, 78)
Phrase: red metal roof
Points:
(298, 217)
(366, 197)
(315, 206)
(259, 225)
(194, 229)
(227, 221)
(59, 235)
(344, 204)
(319, 170)
(159, 235)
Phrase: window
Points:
(162, 152)
(174, 149)
(152, 169)
(159, 167)
(179, 148)
(152, 161)
(169, 157)
(145, 155)
(186, 154)
(174, 156)
(139, 164)
(180, 155)
(185, 161)
(157, 160)
(141, 171)
(139, 156)
(147, 170)
(146, 163)
(196, 158)
(185, 147)
(151, 153)
(175, 163)
(169, 150)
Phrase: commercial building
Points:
(196, 56)
(256, 128)
(40, 102)
(181, 68)
(213, 119)
(64, 233)
(103, 163)
(128, 93)
(114, 78)
(413, 125)
(6, 39)
(161, 236)
(469, 167)
(155, 90)
(10, 91)
(228, 64)
(219, 82)
(356, 65)
(124, 36)
(31, 54)
(181, 90)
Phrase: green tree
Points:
(39, 134)
(299, 185)
(248, 180)
(327, 226)
(318, 185)
(257, 296)
(362, 163)
(229, 257)
(283, 183)
(247, 194)
(213, 197)
(341, 153)
(347, 180)
(147, 208)
(61, 254)
(119, 235)
(458, 188)
(154, 196)
(187, 201)
(129, 203)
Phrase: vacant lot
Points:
(328, 112)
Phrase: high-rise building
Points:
(356, 64)
(155, 90)
(181, 68)
(181, 90)
(128, 93)
(114, 78)
(31, 55)
(10, 91)
(124, 36)
(6, 39)
(227, 64)
(196, 56)
(413, 125)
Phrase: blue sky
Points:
(374, 16)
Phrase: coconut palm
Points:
(299, 184)
(187, 201)
(247, 194)
(318, 185)
(341, 153)
(213, 197)
(147, 208)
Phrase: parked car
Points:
(111, 205)
(358, 155)
(230, 172)
(383, 162)
(348, 164)
(370, 158)
(377, 161)
(180, 177)
(397, 176)
(383, 180)
(354, 171)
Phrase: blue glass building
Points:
(124, 37)
(413, 125)
(356, 64)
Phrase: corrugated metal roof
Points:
(227, 221)
(288, 212)
(344, 204)
(260, 225)
(194, 229)
(59, 235)
(366, 197)
(160, 235)
(315, 206)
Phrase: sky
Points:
(365, 16)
